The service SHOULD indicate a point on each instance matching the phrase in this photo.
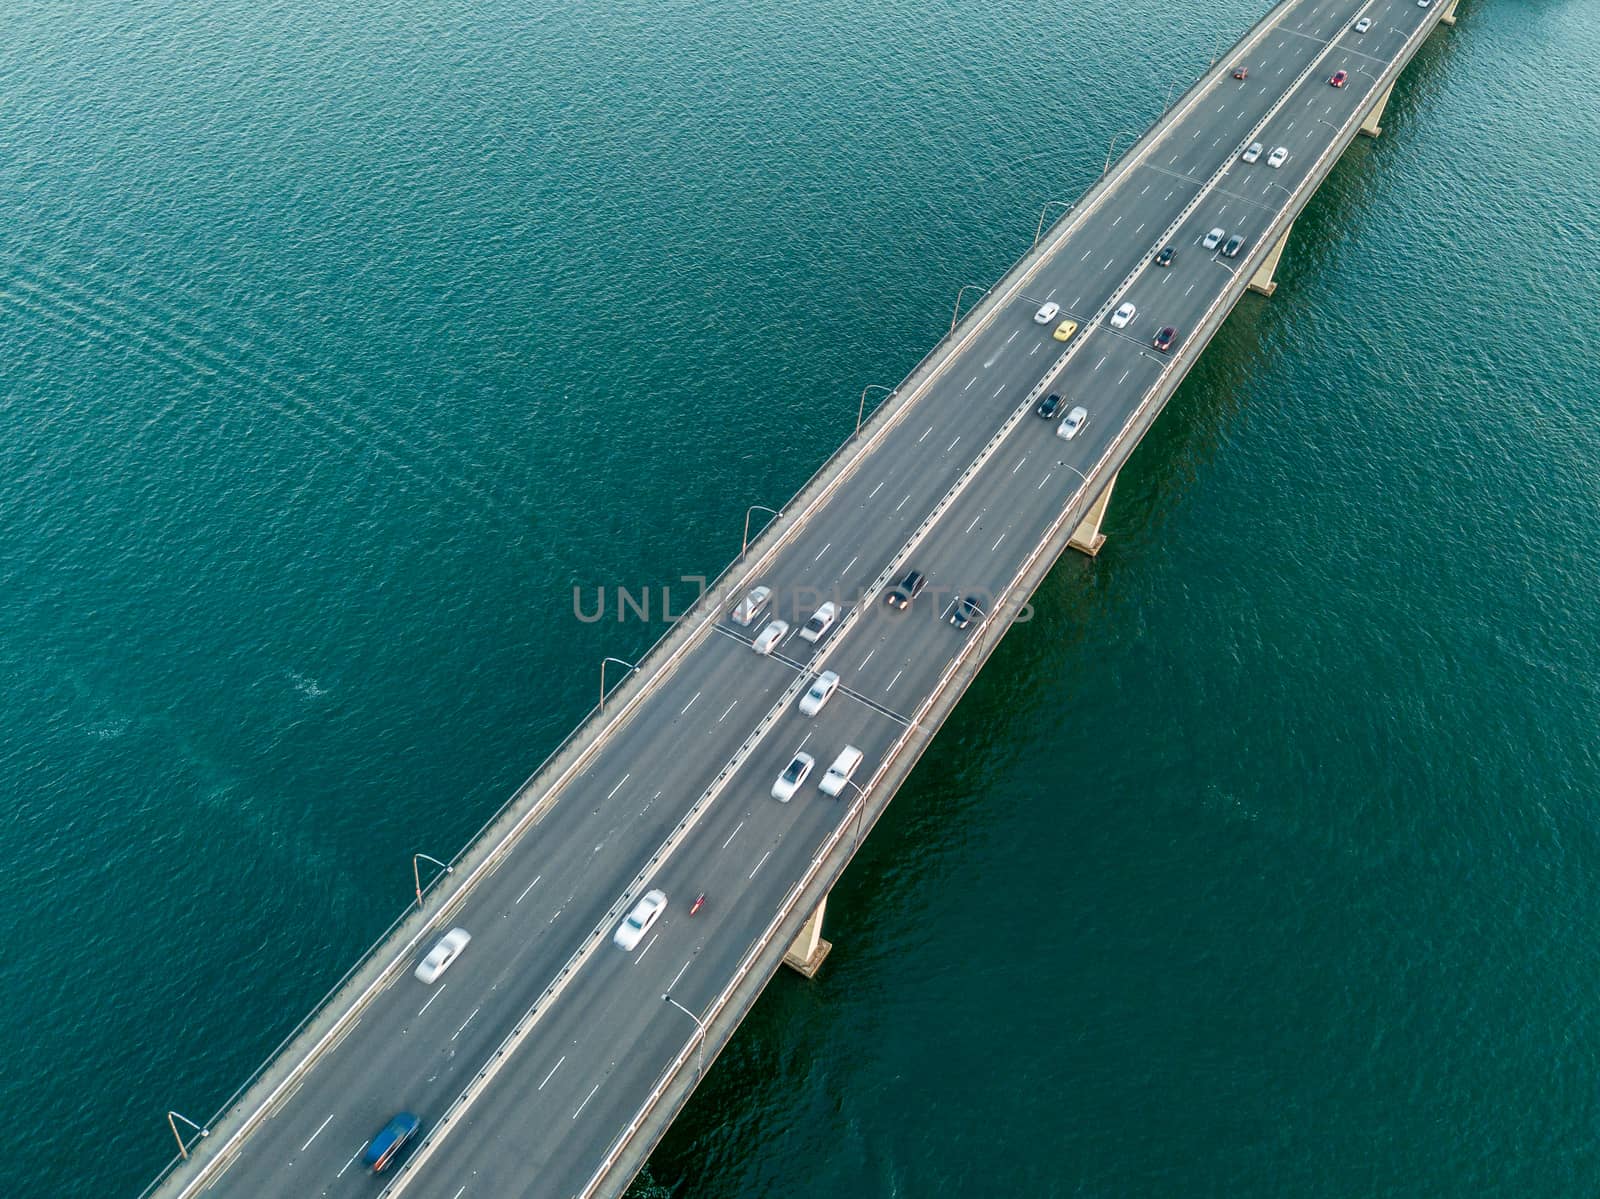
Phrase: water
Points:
(339, 346)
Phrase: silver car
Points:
(820, 692)
(751, 605)
(1253, 153)
(1214, 239)
(775, 632)
(637, 922)
(1046, 313)
(793, 775)
(821, 621)
(1121, 317)
(1278, 157)
(441, 955)
(1073, 425)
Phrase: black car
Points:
(1163, 340)
(1235, 244)
(906, 590)
(965, 612)
(1049, 406)
(1166, 256)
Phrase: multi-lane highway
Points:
(557, 1038)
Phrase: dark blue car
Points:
(386, 1146)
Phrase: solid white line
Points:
(529, 887)
(689, 705)
(585, 1102)
(316, 1134)
(439, 990)
(553, 1070)
(464, 1023)
(618, 787)
(761, 863)
(733, 834)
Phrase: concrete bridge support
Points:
(1370, 126)
(1262, 280)
(1449, 17)
(1087, 537)
(808, 950)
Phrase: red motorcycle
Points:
(694, 908)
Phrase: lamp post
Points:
(861, 409)
(700, 1035)
(859, 810)
(1113, 146)
(1039, 232)
(955, 317)
(172, 1119)
(416, 871)
(632, 666)
(745, 544)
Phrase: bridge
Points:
(547, 1061)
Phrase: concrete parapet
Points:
(808, 949)
(1087, 537)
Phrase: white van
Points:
(839, 773)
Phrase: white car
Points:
(793, 775)
(751, 605)
(1121, 317)
(1424, 3)
(1253, 153)
(822, 689)
(1278, 157)
(821, 621)
(441, 955)
(775, 632)
(839, 773)
(1214, 239)
(1046, 314)
(1073, 425)
(1364, 24)
(634, 926)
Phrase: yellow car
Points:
(1065, 330)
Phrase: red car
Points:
(1241, 72)
(1163, 340)
(1339, 77)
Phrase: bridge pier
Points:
(1449, 16)
(808, 950)
(1370, 126)
(1262, 281)
(1087, 537)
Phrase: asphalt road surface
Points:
(542, 1126)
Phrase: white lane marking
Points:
(648, 945)
(1124, 378)
(1195, 134)
(822, 551)
(952, 445)
(1116, 222)
(875, 490)
(1018, 466)
(802, 744)
(868, 658)
(1086, 254)
(618, 787)
(460, 1191)
(585, 1102)
(925, 433)
(731, 707)
(997, 542)
(902, 503)
(1291, 126)
(1172, 160)
(849, 564)
(1051, 294)
(529, 887)
(895, 680)
(1168, 196)
(1144, 189)
(439, 990)
(316, 1134)
(553, 1070)
(997, 391)
(690, 704)
(1033, 351)
(733, 834)
(1222, 210)
(1140, 229)
(975, 520)
(1188, 289)
(466, 1022)
(1078, 303)
(970, 382)
(1013, 336)
(761, 863)
(1101, 363)
(673, 985)
(349, 1163)
(1043, 481)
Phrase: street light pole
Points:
(861, 409)
(745, 544)
(955, 317)
(632, 666)
(1113, 146)
(862, 807)
(1039, 232)
(700, 1035)
(416, 871)
(172, 1119)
